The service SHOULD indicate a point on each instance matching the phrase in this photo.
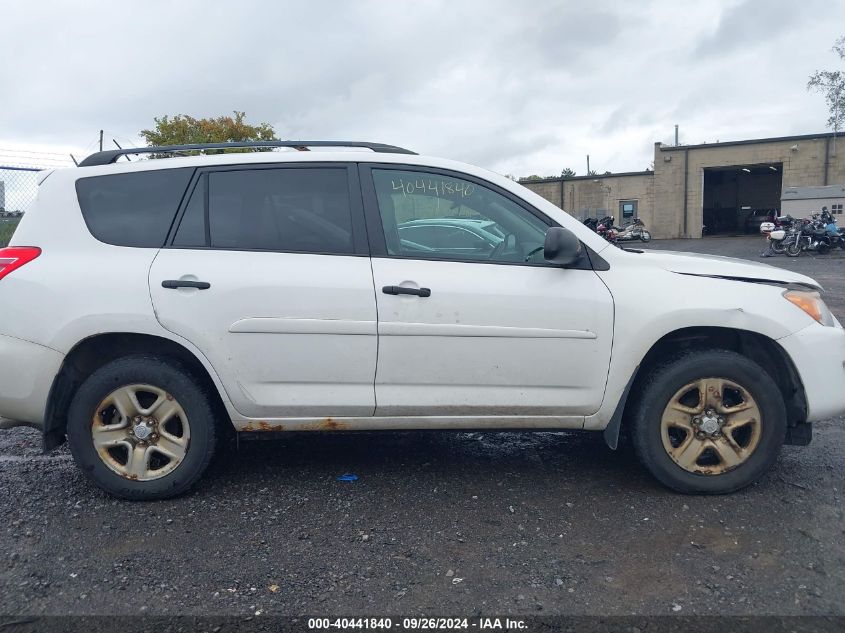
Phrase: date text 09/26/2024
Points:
(416, 623)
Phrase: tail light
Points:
(13, 257)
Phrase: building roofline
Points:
(753, 141)
(648, 172)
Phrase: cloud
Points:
(516, 87)
(754, 23)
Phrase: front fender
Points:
(648, 312)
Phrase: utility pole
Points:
(676, 134)
(588, 164)
(101, 140)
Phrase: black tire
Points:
(645, 236)
(661, 385)
(793, 249)
(777, 247)
(175, 379)
(823, 248)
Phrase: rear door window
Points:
(278, 209)
(133, 209)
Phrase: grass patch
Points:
(6, 230)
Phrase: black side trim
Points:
(596, 261)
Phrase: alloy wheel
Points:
(140, 432)
(711, 426)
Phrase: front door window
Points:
(435, 216)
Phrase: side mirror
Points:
(561, 247)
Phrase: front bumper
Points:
(818, 353)
(27, 371)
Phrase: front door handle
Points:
(401, 290)
(184, 283)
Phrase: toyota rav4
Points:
(148, 307)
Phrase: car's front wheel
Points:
(708, 422)
(142, 427)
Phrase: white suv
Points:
(150, 306)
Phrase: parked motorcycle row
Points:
(818, 233)
(633, 230)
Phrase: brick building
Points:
(719, 185)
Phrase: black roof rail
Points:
(110, 156)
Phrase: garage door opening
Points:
(738, 199)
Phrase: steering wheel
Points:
(533, 251)
(498, 249)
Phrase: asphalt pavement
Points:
(436, 523)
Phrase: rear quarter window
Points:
(134, 209)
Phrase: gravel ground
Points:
(437, 523)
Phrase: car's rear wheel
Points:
(708, 422)
(142, 427)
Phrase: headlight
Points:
(812, 304)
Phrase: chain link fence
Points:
(18, 186)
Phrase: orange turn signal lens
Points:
(811, 303)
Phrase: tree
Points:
(531, 178)
(567, 173)
(185, 130)
(831, 83)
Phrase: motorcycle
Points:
(779, 239)
(634, 230)
(606, 229)
(784, 222)
(603, 227)
(780, 233)
(819, 234)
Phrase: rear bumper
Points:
(818, 354)
(27, 371)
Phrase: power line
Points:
(5, 156)
(29, 151)
(46, 156)
(32, 151)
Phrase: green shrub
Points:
(6, 230)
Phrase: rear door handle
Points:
(401, 290)
(184, 283)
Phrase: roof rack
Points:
(110, 156)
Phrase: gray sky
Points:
(518, 87)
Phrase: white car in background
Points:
(151, 306)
